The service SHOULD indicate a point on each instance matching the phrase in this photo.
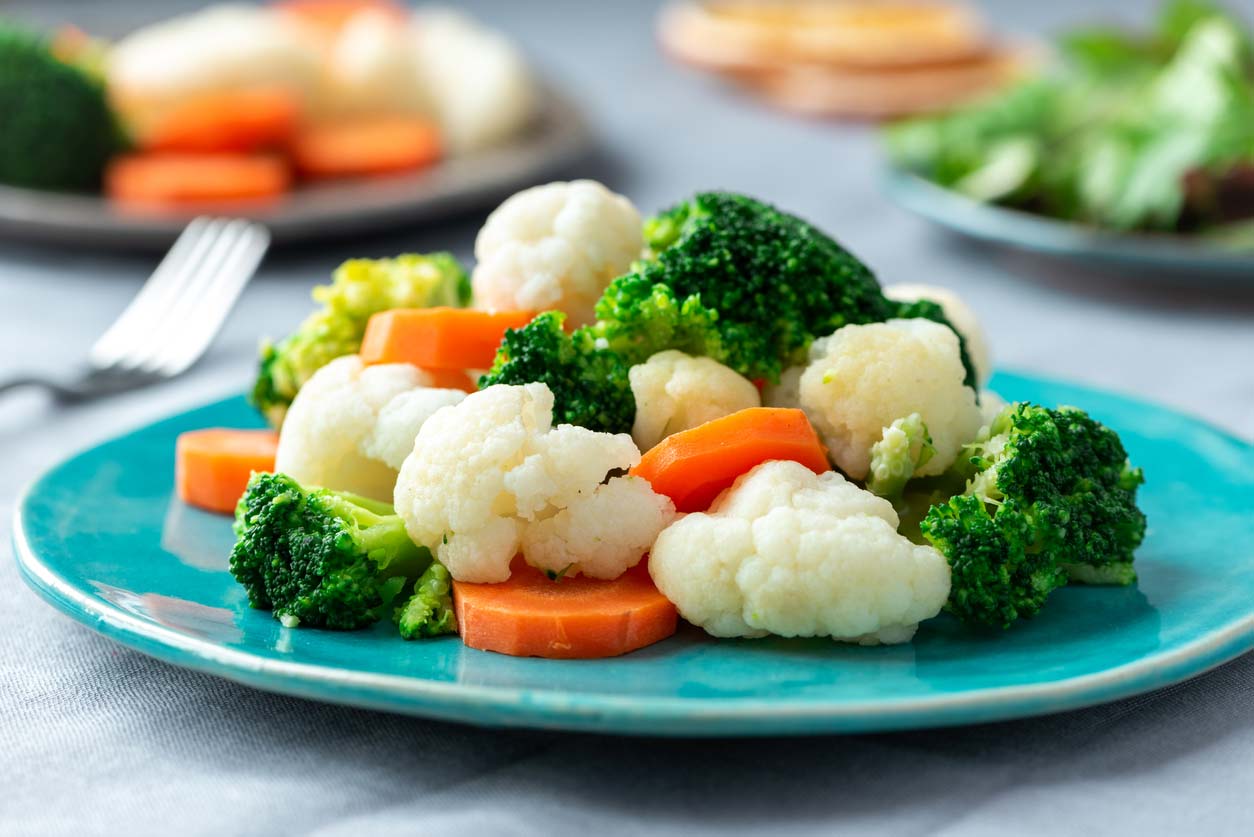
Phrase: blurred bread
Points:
(886, 92)
(743, 35)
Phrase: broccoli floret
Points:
(359, 289)
(318, 557)
(775, 281)
(58, 128)
(905, 447)
(429, 611)
(1050, 496)
(589, 382)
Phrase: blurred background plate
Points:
(1162, 256)
(559, 138)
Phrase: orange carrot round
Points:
(329, 16)
(212, 467)
(380, 145)
(169, 177)
(574, 618)
(692, 467)
(231, 120)
(438, 338)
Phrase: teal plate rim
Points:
(1170, 255)
(499, 705)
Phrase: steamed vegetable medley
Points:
(716, 414)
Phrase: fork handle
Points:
(31, 380)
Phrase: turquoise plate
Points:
(1162, 256)
(102, 538)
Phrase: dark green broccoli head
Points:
(319, 557)
(429, 610)
(775, 282)
(589, 382)
(58, 128)
(1050, 495)
(359, 289)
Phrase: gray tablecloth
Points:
(98, 739)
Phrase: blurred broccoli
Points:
(359, 289)
(1050, 496)
(589, 382)
(318, 557)
(429, 610)
(58, 128)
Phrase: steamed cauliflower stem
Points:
(479, 83)
(785, 551)
(351, 426)
(904, 447)
(555, 246)
(493, 477)
(959, 315)
(862, 378)
(675, 392)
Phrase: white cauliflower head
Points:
(555, 246)
(786, 551)
(959, 314)
(478, 81)
(371, 68)
(675, 392)
(223, 47)
(492, 477)
(351, 426)
(862, 378)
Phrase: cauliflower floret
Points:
(862, 378)
(219, 48)
(555, 246)
(351, 426)
(785, 551)
(675, 392)
(371, 68)
(477, 79)
(959, 313)
(492, 476)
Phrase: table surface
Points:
(96, 739)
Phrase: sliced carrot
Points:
(229, 120)
(575, 618)
(168, 177)
(212, 467)
(438, 338)
(452, 379)
(379, 145)
(330, 16)
(693, 466)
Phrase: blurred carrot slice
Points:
(229, 120)
(331, 15)
(365, 147)
(168, 177)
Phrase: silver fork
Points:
(175, 316)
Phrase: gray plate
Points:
(558, 138)
(1169, 256)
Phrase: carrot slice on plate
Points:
(438, 338)
(329, 16)
(531, 615)
(381, 145)
(228, 120)
(212, 467)
(173, 177)
(692, 467)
